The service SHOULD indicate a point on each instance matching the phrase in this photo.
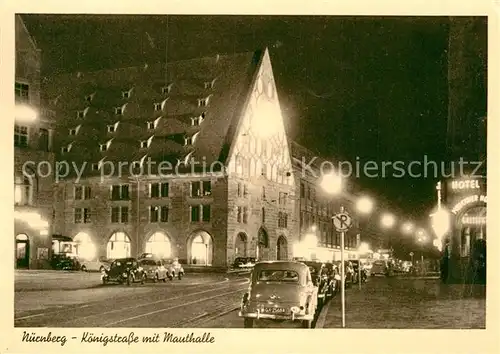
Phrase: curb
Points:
(320, 322)
(94, 286)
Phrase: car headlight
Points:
(295, 309)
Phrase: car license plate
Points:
(274, 310)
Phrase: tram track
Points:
(97, 313)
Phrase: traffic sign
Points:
(342, 221)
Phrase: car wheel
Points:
(104, 281)
(130, 279)
(156, 278)
(164, 279)
(306, 324)
(101, 269)
(84, 269)
(248, 323)
(180, 276)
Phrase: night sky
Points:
(372, 88)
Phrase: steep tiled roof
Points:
(188, 108)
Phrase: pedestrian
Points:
(445, 263)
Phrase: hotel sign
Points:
(466, 201)
(467, 184)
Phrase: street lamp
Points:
(422, 238)
(407, 227)
(332, 184)
(25, 113)
(364, 205)
(440, 222)
(388, 221)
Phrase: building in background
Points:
(465, 196)
(32, 149)
(187, 159)
(314, 209)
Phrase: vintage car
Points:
(96, 265)
(280, 290)
(124, 270)
(320, 279)
(174, 268)
(154, 269)
(244, 262)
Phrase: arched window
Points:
(200, 249)
(159, 245)
(240, 246)
(118, 246)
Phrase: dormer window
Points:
(74, 131)
(89, 98)
(166, 89)
(113, 127)
(119, 110)
(82, 114)
(160, 106)
(154, 124)
(66, 148)
(126, 94)
(209, 84)
(140, 163)
(190, 140)
(146, 143)
(195, 121)
(203, 102)
(97, 166)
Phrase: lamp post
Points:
(364, 205)
(332, 184)
(421, 239)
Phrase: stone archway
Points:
(282, 249)
(22, 251)
(159, 244)
(200, 248)
(262, 244)
(240, 245)
(84, 247)
(118, 246)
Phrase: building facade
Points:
(187, 159)
(464, 195)
(315, 209)
(32, 152)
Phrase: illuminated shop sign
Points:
(465, 184)
(468, 200)
(473, 220)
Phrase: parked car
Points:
(244, 262)
(174, 268)
(62, 261)
(154, 269)
(124, 270)
(97, 265)
(280, 290)
(379, 267)
(320, 279)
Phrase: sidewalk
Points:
(39, 280)
(410, 303)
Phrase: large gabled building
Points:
(188, 159)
